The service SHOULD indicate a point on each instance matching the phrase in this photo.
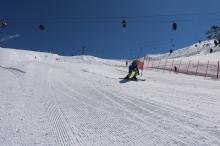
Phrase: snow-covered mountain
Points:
(195, 51)
(51, 100)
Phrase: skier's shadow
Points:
(124, 81)
(127, 80)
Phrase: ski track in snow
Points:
(46, 102)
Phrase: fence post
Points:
(172, 65)
(148, 62)
(188, 68)
(152, 64)
(218, 70)
(197, 67)
(165, 65)
(207, 68)
(159, 64)
(179, 66)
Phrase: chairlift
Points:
(124, 23)
(41, 27)
(171, 51)
(3, 24)
(174, 26)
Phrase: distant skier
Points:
(216, 43)
(175, 68)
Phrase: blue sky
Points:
(96, 24)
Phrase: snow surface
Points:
(198, 51)
(65, 101)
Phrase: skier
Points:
(133, 71)
(126, 63)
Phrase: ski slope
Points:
(79, 101)
(198, 51)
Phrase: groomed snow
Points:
(66, 101)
